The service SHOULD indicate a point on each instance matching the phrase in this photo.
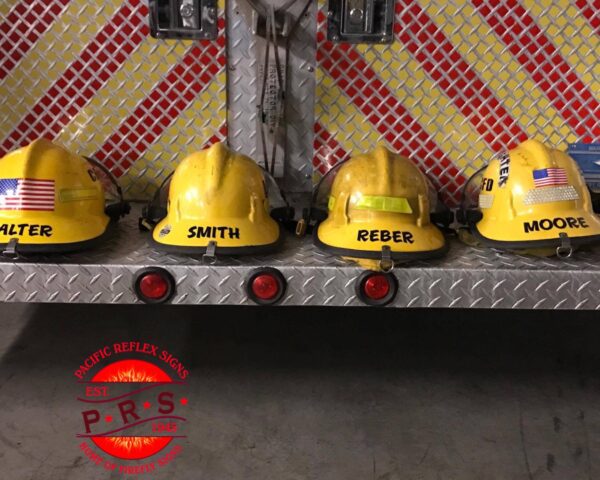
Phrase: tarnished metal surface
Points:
(468, 277)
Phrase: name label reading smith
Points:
(213, 232)
(396, 236)
(558, 222)
(29, 229)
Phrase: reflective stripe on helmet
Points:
(550, 194)
(383, 204)
(75, 194)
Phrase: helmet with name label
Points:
(378, 206)
(52, 200)
(533, 199)
(216, 199)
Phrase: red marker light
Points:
(265, 286)
(377, 287)
(154, 285)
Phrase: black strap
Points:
(468, 216)
(153, 212)
(595, 201)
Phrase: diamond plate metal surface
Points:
(462, 82)
(95, 81)
(242, 58)
(467, 278)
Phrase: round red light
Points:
(154, 286)
(265, 286)
(377, 287)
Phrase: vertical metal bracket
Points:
(271, 29)
(360, 21)
(183, 19)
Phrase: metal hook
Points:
(565, 250)
(386, 264)
(11, 249)
(210, 257)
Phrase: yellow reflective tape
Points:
(75, 194)
(384, 204)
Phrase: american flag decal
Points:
(26, 194)
(550, 177)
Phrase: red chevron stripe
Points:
(26, 22)
(385, 112)
(328, 152)
(171, 96)
(100, 59)
(455, 77)
(553, 75)
(590, 10)
(220, 136)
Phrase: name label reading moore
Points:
(558, 222)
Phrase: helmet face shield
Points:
(218, 199)
(377, 202)
(531, 197)
(115, 205)
(51, 200)
(323, 200)
(472, 190)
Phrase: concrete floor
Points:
(323, 394)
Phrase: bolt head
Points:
(186, 10)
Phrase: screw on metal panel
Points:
(356, 15)
(330, 13)
(212, 15)
(310, 68)
(186, 10)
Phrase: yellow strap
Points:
(384, 204)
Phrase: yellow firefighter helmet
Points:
(52, 200)
(531, 198)
(217, 197)
(376, 202)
